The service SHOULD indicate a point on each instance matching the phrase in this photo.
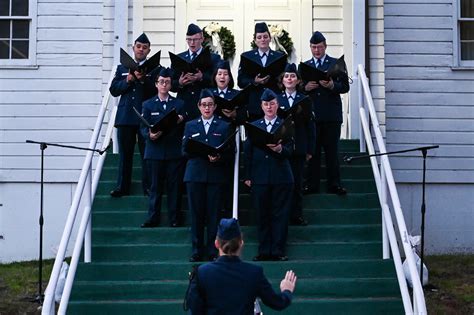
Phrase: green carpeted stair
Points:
(336, 257)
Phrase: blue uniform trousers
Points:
(171, 172)
(273, 202)
(327, 137)
(297, 166)
(127, 137)
(204, 200)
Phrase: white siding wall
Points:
(428, 102)
(58, 100)
(327, 18)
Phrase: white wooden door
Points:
(241, 16)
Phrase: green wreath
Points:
(283, 37)
(225, 40)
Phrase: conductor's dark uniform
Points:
(271, 190)
(132, 94)
(205, 183)
(230, 286)
(165, 160)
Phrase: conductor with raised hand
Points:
(229, 285)
(134, 88)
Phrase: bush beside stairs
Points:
(337, 257)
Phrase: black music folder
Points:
(200, 148)
(301, 109)
(239, 100)
(166, 124)
(274, 68)
(202, 62)
(310, 73)
(260, 137)
(148, 66)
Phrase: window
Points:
(17, 32)
(465, 33)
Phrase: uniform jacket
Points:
(199, 168)
(229, 286)
(190, 93)
(244, 79)
(264, 166)
(132, 95)
(168, 146)
(305, 132)
(327, 105)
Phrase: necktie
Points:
(263, 59)
(221, 94)
(318, 64)
(263, 55)
(164, 104)
(290, 100)
(206, 127)
(269, 126)
(193, 55)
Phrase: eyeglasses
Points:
(163, 82)
(192, 40)
(207, 105)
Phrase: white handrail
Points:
(86, 172)
(384, 178)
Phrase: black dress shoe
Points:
(307, 190)
(148, 224)
(117, 193)
(212, 257)
(146, 192)
(338, 190)
(195, 258)
(280, 258)
(262, 258)
(174, 224)
(299, 221)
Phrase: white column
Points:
(358, 57)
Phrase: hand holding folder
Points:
(273, 68)
(200, 148)
(201, 63)
(300, 111)
(261, 138)
(238, 101)
(310, 73)
(148, 66)
(166, 124)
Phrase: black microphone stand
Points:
(424, 151)
(43, 146)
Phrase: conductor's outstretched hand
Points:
(289, 282)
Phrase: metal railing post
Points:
(235, 195)
(88, 201)
(383, 190)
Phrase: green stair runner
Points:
(336, 257)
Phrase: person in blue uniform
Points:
(327, 106)
(163, 153)
(305, 134)
(188, 85)
(204, 178)
(133, 89)
(268, 174)
(223, 86)
(263, 55)
(230, 286)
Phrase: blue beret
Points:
(261, 28)
(291, 68)
(268, 95)
(206, 93)
(223, 64)
(193, 29)
(317, 38)
(228, 229)
(143, 39)
(166, 73)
